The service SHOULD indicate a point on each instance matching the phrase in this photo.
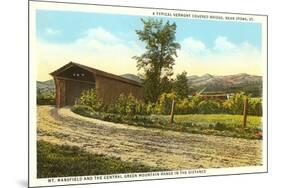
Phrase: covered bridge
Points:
(73, 78)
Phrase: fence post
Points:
(172, 111)
(245, 111)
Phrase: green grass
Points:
(227, 119)
(209, 124)
(62, 161)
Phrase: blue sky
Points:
(201, 40)
(73, 24)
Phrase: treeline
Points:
(198, 105)
(45, 97)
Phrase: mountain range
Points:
(210, 83)
(228, 83)
(46, 86)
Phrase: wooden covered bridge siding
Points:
(73, 78)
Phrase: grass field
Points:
(61, 161)
(227, 119)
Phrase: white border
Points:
(34, 5)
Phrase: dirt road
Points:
(154, 147)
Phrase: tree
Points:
(166, 85)
(158, 59)
(180, 86)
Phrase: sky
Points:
(108, 42)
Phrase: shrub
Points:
(165, 102)
(235, 104)
(82, 109)
(150, 108)
(220, 126)
(255, 107)
(194, 102)
(128, 105)
(183, 106)
(209, 107)
(89, 98)
(45, 99)
(120, 104)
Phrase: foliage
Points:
(227, 119)
(194, 103)
(63, 161)
(116, 118)
(150, 108)
(255, 107)
(45, 97)
(180, 85)
(82, 109)
(158, 59)
(220, 126)
(166, 85)
(128, 105)
(89, 98)
(235, 104)
(183, 107)
(209, 107)
(165, 102)
(213, 124)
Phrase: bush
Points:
(124, 105)
(220, 126)
(209, 107)
(128, 105)
(82, 109)
(46, 99)
(235, 104)
(165, 103)
(89, 98)
(150, 108)
(120, 105)
(194, 102)
(183, 107)
(255, 107)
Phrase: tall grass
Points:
(62, 161)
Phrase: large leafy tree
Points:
(158, 59)
(181, 86)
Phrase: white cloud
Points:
(223, 44)
(52, 32)
(224, 57)
(99, 34)
(222, 47)
(193, 47)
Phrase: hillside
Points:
(228, 83)
(132, 77)
(46, 86)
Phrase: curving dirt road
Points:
(154, 147)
